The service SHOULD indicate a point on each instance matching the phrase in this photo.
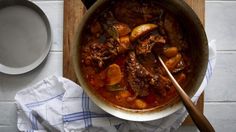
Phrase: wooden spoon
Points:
(199, 119)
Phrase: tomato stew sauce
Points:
(120, 49)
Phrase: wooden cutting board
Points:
(73, 13)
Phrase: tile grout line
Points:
(226, 51)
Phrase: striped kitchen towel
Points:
(65, 105)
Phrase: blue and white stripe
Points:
(38, 103)
(83, 116)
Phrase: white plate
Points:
(25, 36)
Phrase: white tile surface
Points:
(223, 82)
(9, 110)
(220, 24)
(54, 12)
(8, 129)
(222, 116)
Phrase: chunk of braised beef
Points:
(141, 80)
(145, 46)
(138, 76)
(164, 85)
(96, 54)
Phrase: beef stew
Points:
(119, 50)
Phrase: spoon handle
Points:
(199, 119)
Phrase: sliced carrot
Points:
(140, 103)
(114, 74)
(124, 43)
(181, 78)
(173, 61)
(124, 93)
(170, 51)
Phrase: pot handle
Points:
(88, 3)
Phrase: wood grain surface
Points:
(73, 13)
